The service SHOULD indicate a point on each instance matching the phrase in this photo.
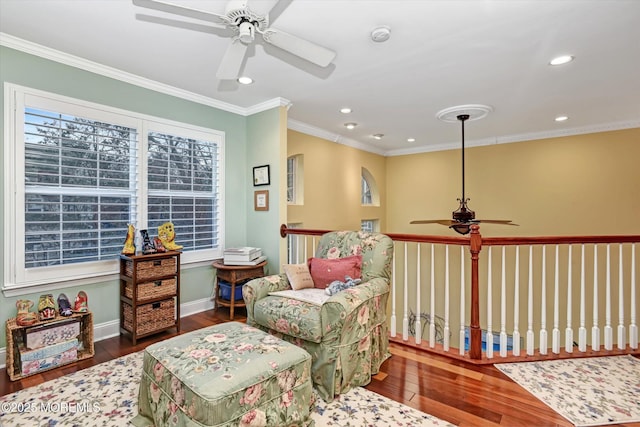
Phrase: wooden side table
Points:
(235, 275)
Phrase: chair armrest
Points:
(259, 288)
(361, 306)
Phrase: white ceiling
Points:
(441, 53)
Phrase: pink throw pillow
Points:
(324, 271)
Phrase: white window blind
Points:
(184, 187)
(77, 173)
(78, 188)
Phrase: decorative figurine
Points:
(158, 244)
(167, 235)
(129, 242)
(147, 246)
(46, 307)
(25, 317)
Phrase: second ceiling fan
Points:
(463, 218)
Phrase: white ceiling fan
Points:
(245, 23)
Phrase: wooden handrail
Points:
(475, 241)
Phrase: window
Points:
(366, 192)
(369, 193)
(370, 225)
(291, 179)
(76, 174)
(295, 186)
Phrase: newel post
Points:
(475, 245)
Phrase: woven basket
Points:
(150, 317)
(152, 290)
(16, 337)
(152, 268)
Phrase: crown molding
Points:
(94, 67)
(330, 136)
(103, 70)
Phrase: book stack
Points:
(243, 256)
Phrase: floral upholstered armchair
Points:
(346, 335)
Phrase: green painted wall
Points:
(35, 72)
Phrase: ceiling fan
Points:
(245, 23)
(463, 218)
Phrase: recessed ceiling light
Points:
(350, 125)
(244, 80)
(561, 118)
(345, 110)
(559, 60)
(411, 140)
(378, 136)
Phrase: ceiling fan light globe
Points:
(246, 32)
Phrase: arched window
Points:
(369, 193)
(295, 187)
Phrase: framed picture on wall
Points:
(261, 200)
(261, 175)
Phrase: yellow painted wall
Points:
(575, 185)
(332, 184)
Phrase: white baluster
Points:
(392, 330)
(633, 327)
(582, 331)
(418, 336)
(489, 351)
(568, 332)
(446, 299)
(595, 329)
(516, 306)
(622, 343)
(405, 318)
(432, 309)
(543, 305)
(462, 304)
(555, 345)
(608, 330)
(530, 336)
(503, 309)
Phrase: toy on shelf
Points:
(167, 235)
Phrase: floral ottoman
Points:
(225, 375)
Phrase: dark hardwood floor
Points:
(460, 393)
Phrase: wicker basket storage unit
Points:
(150, 317)
(17, 337)
(149, 293)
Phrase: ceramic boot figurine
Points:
(167, 235)
(25, 317)
(147, 246)
(129, 242)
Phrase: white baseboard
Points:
(111, 328)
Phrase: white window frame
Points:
(17, 279)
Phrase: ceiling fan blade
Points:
(496, 221)
(445, 222)
(307, 50)
(181, 10)
(262, 7)
(231, 63)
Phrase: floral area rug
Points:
(587, 392)
(107, 395)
